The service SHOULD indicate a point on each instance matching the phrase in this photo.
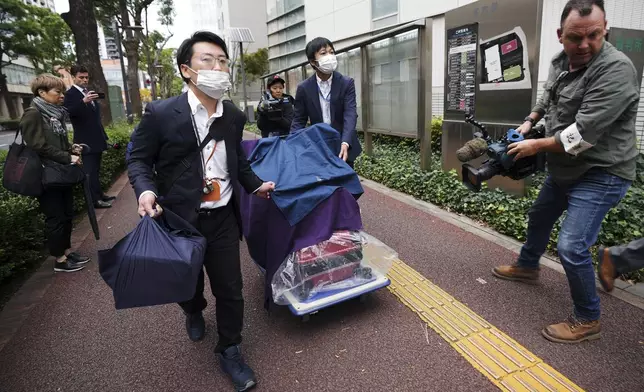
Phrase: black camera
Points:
(498, 162)
(272, 107)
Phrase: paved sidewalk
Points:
(74, 340)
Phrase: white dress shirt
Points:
(325, 98)
(217, 166)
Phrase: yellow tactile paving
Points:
(510, 366)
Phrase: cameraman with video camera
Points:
(590, 104)
(275, 110)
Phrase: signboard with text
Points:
(629, 42)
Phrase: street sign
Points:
(630, 42)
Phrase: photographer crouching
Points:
(590, 105)
(275, 110)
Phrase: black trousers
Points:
(58, 207)
(222, 264)
(92, 166)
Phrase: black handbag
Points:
(22, 170)
(58, 175)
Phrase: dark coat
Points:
(86, 120)
(344, 114)
(164, 144)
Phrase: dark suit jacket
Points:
(165, 141)
(344, 115)
(86, 120)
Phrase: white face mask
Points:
(213, 83)
(327, 64)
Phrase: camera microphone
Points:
(472, 149)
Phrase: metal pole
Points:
(126, 91)
(241, 53)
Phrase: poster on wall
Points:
(460, 92)
(504, 62)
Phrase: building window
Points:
(393, 84)
(383, 8)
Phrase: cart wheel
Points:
(306, 318)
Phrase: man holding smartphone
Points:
(85, 114)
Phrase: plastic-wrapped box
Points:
(347, 260)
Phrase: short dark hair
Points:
(78, 68)
(584, 7)
(315, 45)
(185, 51)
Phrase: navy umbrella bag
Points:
(157, 263)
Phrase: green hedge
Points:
(395, 163)
(21, 224)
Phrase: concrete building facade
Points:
(391, 71)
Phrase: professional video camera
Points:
(498, 162)
(272, 107)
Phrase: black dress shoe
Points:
(195, 326)
(78, 259)
(108, 198)
(67, 266)
(102, 204)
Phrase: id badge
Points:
(211, 191)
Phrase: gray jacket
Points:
(602, 100)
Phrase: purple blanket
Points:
(270, 238)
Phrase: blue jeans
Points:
(587, 201)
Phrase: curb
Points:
(632, 294)
(19, 307)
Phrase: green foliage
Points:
(17, 26)
(252, 127)
(256, 64)
(169, 83)
(55, 42)
(21, 224)
(36, 33)
(396, 164)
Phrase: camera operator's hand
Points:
(525, 148)
(525, 128)
(91, 96)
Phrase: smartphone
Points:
(101, 95)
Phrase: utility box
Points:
(116, 103)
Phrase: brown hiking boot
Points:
(606, 269)
(572, 330)
(514, 272)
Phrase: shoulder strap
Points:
(186, 162)
(216, 129)
(19, 129)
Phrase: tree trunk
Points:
(82, 22)
(132, 55)
(148, 50)
(4, 93)
(131, 44)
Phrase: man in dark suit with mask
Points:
(193, 143)
(328, 97)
